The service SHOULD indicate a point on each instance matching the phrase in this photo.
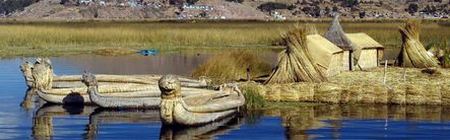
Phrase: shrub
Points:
(412, 8)
(270, 6)
(253, 100)
(237, 1)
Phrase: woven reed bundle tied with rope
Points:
(413, 54)
(295, 63)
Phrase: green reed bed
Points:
(56, 38)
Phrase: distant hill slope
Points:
(53, 9)
(231, 9)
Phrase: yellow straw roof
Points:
(363, 41)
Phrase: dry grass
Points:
(115, 51)
(232, 66)
(53, 38)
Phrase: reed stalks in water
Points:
(232, 66)
(252, 98)
(56, 38)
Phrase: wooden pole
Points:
(404, 74)
(248, 75)
(385, 68)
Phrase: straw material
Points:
(366, 87)
(363, 41)
(297, 63)
(41, 74)
(413, 54)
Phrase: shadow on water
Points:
(74, 98)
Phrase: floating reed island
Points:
(412, 87)
(315, 69)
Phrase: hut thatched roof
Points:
(363, 41)
(336, 35)
(321, 49)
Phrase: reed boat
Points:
(197, 109)
(79, 95)
(40, 75)
(143, 98)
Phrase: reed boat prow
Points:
(196, 110)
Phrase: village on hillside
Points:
(224, 9)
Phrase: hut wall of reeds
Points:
(360, 50)
(328, 56)
(336, 35)
(367, 51)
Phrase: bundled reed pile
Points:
(295, 63)
(413, 53)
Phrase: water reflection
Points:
(30, 99)
(208, 131)
(298, 120)
(103, 116)
(43, 118)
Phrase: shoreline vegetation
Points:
(54, 38)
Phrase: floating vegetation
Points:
(253, 100)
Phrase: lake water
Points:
(37, 120)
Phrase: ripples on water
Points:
(36, 120)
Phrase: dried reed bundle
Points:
(413, 53)
(295, 63)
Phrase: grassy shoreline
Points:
(47, 38)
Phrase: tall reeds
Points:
(52, 38)
(233, 66)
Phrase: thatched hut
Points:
(367, 51)
(336, 35)
(307, 58)
(360, 50)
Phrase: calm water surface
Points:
(37, 120)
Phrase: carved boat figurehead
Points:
(89, 80)
(41, 73)
(170, 87)
(196, 109)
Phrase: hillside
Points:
(226, 9)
